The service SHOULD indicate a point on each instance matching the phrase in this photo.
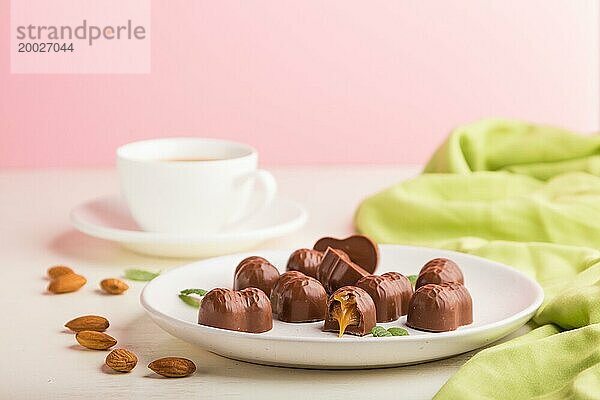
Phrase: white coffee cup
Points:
(192, 185)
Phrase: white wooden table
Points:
(40, 360)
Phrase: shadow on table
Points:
(244, 370)
(74, 245)
(149, 342)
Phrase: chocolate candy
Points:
(439, 270)
(255, 272)
(298, 298)
(247, 310)
(390, 293)
(306, 261)
(350, 310)
(337, 270)
(361, 250)
(406, 288)
(440, 308)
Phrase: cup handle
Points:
(269, 189)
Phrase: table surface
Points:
(41, 360)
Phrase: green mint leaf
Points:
(140, 275)
(184, 295)
(199, 292)
(398, 331)
(380, 331)
(413, 280)
(189, 300)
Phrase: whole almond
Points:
(88, 323)
(121, 360)
(113, 286)
(59, 270)
(95, 340)
(66, 283)
(173, 367)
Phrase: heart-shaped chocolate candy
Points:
(361, 250)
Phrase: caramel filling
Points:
(344, 311)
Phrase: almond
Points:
(121, 360)
(67, 283)
(113, 286)
(95, 340)
(173, 367)
(59, 270)
(88, 323)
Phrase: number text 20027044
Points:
(44, 47)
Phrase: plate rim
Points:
(437, 336)
(142, 237)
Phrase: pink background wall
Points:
(315, 81)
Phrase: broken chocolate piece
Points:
(439, 270)
(306, 261)
(440, 308)
(361, 250)
(337, 270)
(247, 310)
(255, 272)
(350, 310)
(298, 298)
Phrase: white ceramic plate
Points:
(503, 300)
(108, 218)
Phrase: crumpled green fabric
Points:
(528, 196)
(538, 151)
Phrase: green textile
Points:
(528, 149)
(528, 196)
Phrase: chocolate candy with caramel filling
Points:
(361, 250)
(389, 293)
(306, 261)
(440, 308)
(255, 272)
(298, 298)
(439, 270)
(247, 310)
(337, 270)
(406, 288)
(350, 310)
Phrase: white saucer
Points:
(108, 218)
(503, 300)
